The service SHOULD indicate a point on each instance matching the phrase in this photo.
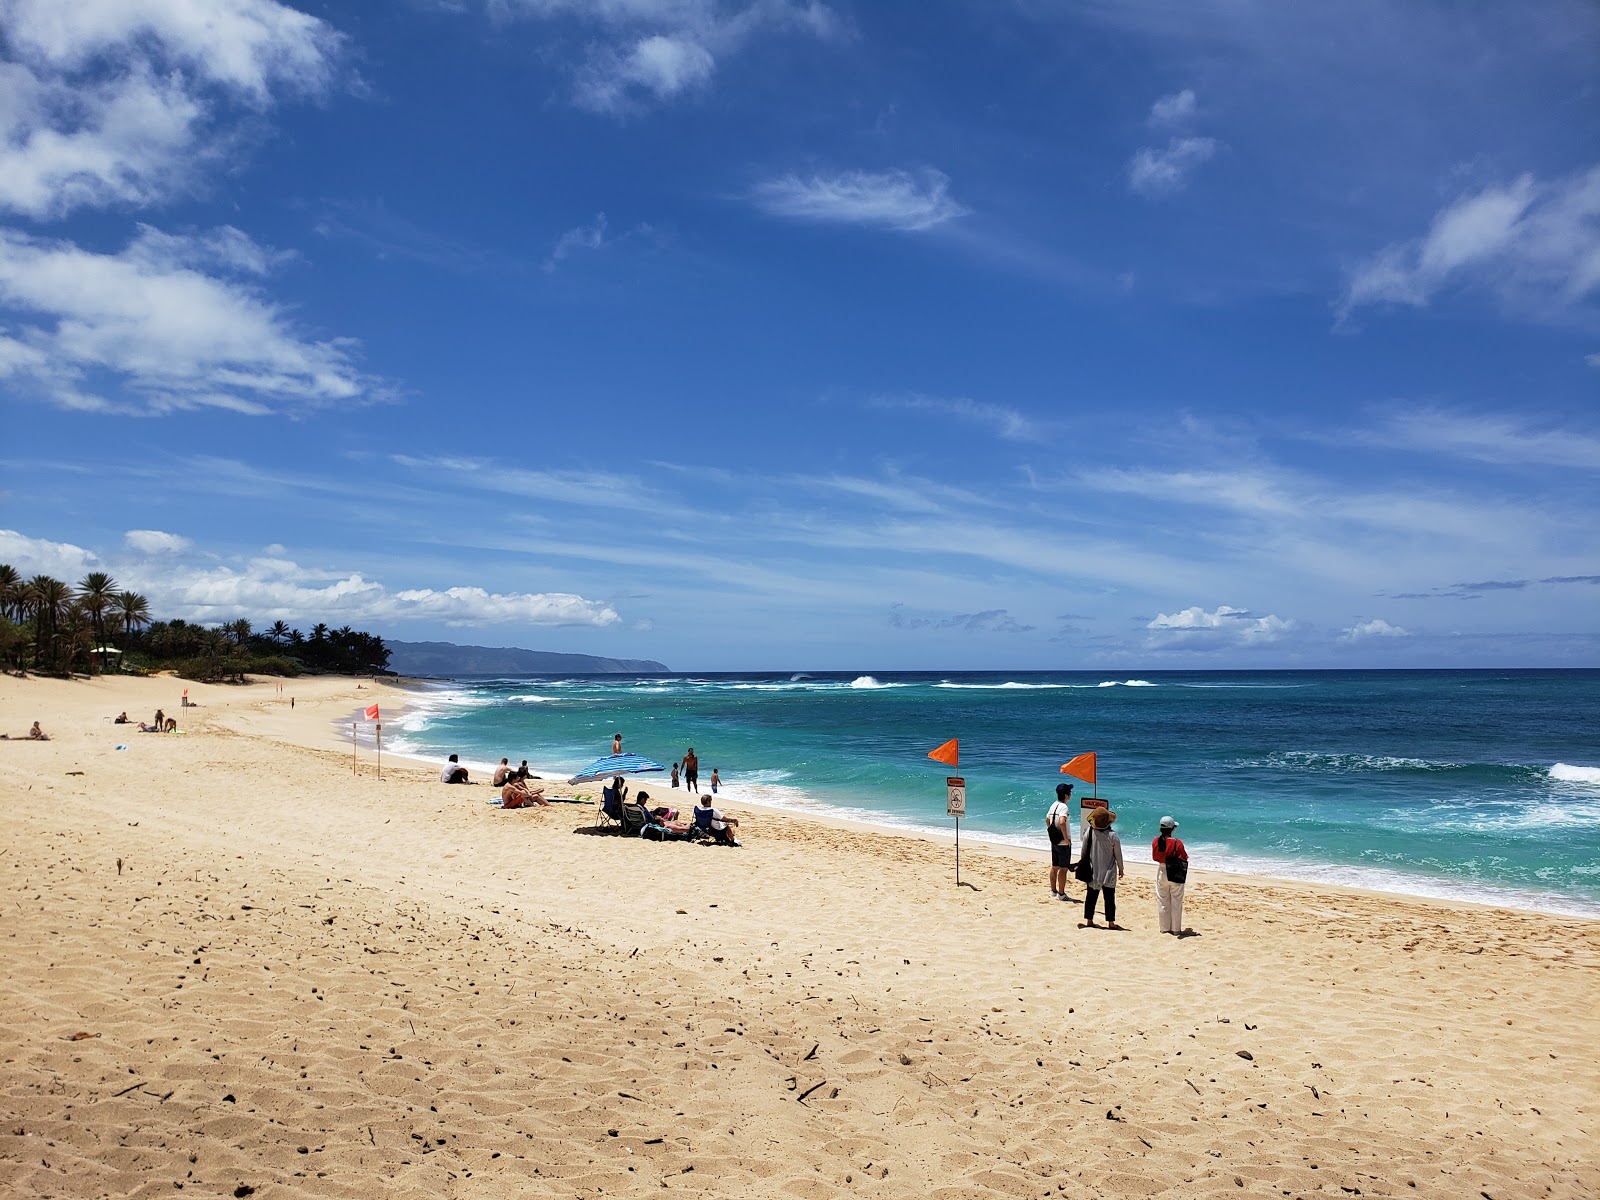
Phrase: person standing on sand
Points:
(1104, 850)
(1169, 892)
(674, 774)
(691, 770)
(1058, 828)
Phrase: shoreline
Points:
(232, 962)
(1425, 889)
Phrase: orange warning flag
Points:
(1082, 767)
(945, 753)
(372, 712)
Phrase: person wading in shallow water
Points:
(691, 770)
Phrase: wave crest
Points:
(1565, 773)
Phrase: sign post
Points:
(957, 807)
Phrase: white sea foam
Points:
(1566, 773)
(1009, 686)
(867, 682)
(1126, 683)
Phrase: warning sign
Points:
(957, 796)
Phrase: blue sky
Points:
(779, 334)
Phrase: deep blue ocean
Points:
(1474, 785)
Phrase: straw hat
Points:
(1102, 818)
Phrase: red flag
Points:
(1082, 767)
(372, 712)
(946, 753)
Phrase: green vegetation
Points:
(53, 628)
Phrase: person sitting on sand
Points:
(503, 772)
(37, 735)
(663, 818)
(524, 773)
(517, 794)
(120, 719)
(453, 771)
(722, 827)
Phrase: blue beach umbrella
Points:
(616, 764)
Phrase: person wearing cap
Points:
(1104, 851)
(1169, 895)
(1058, 828)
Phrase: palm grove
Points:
(51, 627)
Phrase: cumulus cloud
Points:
(37, 556)
(639, 52)
(1176, 109)
(1225, 623)
(1533, 246)
(1161, 171)
(74, 135)
(154, 541)
(1375, 628)
(177, 321)
(198, 587)
(902, 200)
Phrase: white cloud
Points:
(188, 584)
(897, 199)
(36, 556)
(1164, 171)
(165, 318)
(1176, 109)
(73, 135)
(1377, 627)
(1534, 246)
(583, 237)
(154, 541)
(660, 66)
(1225, 622)
(1491, 439)
(658, 50)
(1000, 420)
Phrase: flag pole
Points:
(379, 733)
(353, 770)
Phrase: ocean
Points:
(1467, 785)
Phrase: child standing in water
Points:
(716, 782)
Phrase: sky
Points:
(781, 334)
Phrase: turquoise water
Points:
(1478, 785)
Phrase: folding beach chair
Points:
(609, 810)
(634, 819)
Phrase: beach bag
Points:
(1085, 868)
(1177, 869)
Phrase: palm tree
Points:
(133, 610)
(97, 593)
(10, 592)
(238, 630)
(47, 599)
(279, 632)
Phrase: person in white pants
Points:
(1169, 895)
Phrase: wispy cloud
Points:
(902, 200)
(175, 320)
(998, 419)
(1166, 170)
(1176, 109)
(994, 620)
(1487, 438)
(1534, 247)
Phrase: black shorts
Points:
(1061, 854)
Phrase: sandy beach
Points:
(234, 967)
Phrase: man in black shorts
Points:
(1058, 826)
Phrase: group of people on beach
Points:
(687, 771)
(1100, 865)
(516, 784)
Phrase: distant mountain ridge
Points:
(446, 658)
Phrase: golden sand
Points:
(232, 964)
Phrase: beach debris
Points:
(127, 1089)
(1246, 1055)
(82, 1035)
(801, 1098)
(812, 1053)
(243, 1190)
(119, 866)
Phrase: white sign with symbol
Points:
(958, 796)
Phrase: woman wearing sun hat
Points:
(1169, 892)
(1104, 851)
